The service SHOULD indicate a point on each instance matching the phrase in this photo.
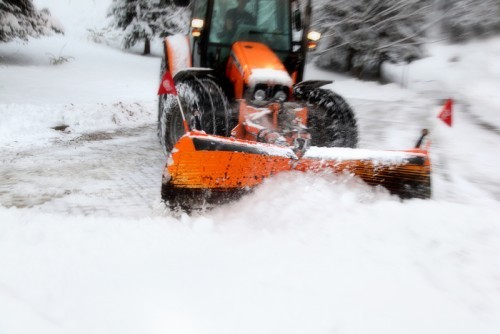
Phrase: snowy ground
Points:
(87, 247)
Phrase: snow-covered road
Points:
(99, 173)
(117, 173)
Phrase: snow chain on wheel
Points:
(205, 106)
(331, 121)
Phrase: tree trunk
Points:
(349, 67)
(147, 47)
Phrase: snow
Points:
(140, 28)
(220, 274)
(468, 73)
(76, 16)
(341, 154)
(87, 247)
(270, 76)
(8, 23)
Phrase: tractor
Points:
(242, 111)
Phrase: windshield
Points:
(265, 21)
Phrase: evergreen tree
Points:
(466, 19)
(142, 20)
(358, 35)
(20, 19)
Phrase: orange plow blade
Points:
(207, 170)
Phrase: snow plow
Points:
(237, 110)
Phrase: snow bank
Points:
(97, 89)
(93, 73)
(31, 125)
(468, 73)
(77, 16)
(272, 268)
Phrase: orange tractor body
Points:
(243, 113)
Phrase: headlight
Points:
(197, 23)
(259, 95)
(314, 36)
(280, 96)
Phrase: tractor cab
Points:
(217, 24)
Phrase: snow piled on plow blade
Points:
(343, 154)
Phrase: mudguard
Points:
(177, 53)
(302, 88)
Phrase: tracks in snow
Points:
(101, 173)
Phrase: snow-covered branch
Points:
(20, 19)
(142, 20)
(354, 32)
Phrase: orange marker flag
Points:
(446, 115)
(167, 85)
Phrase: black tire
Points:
(331, 121)
(204, 104)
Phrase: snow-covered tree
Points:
(466, 19)
(358, 35)
(20, 19)
(142, 20)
